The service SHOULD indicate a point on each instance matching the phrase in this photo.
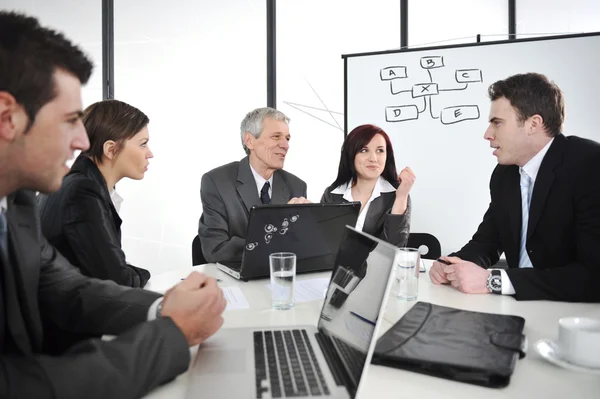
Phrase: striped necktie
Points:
(526, 189)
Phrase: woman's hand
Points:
(407, 179)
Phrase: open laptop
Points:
(326, 359)
(312, 231)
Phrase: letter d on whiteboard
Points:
(401, 113)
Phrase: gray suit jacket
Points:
(227, 193)
(36, 281)
(379, 222)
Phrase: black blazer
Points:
(563, 235)
(81, 221)
(228, 193)
(379, 222)
(37, 280)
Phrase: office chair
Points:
(197, 255)
(428, 245)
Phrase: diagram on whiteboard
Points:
(449, 115)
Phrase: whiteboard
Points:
(433, 103)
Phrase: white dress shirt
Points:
(260, 182)
(531, 168)
(382, 186)
(3, 204)
(116, 199)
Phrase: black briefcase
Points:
(473, 347)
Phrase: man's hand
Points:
(466, 276)
(437, 273)
(195, 305)
(299, 200)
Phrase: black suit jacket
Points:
(379, 222)
(563, 234)
(37, 280)
(228, 193)
(81, 221)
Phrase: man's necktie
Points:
(3, 235)
(526, 189)
(264, 194)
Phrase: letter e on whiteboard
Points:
(401, 113)
(393, 72)
(459, 113)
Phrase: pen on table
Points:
(218, 280)
(362, 318)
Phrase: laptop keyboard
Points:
(354, 359)
(286, 365)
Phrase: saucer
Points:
(548, 349)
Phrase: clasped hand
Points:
(463, 275)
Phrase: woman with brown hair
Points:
(367, 173)
(81, 219)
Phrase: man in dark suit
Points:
(229, 191)
(41, 74)
(545, 203)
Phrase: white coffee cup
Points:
(579, 340)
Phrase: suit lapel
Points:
(247, 185)
(23, 270)
(543, 182)
(281, 191)
(85, 166)
(377, 211)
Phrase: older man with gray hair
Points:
(229, 191)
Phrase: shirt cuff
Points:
(152, 310)
(507, 287)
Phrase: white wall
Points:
(80, 21)
(196, 69)
(539, 17)
(443, 22)
(311, 37)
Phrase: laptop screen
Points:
(312, 231)
(354, 298)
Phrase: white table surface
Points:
(534, 377)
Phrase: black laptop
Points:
(312, 231)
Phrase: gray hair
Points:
(253, 122)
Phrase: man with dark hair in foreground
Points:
(41, 74)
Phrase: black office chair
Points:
(428, 245)
(197, 255)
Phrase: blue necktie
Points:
(264, 194)
(526, 190)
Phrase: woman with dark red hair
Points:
(367, 173)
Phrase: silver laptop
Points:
(326, 359)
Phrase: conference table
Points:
(534, 377)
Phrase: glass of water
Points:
(407, 274)
(283, 278)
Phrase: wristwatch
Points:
(159, 309)
(494, 282)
